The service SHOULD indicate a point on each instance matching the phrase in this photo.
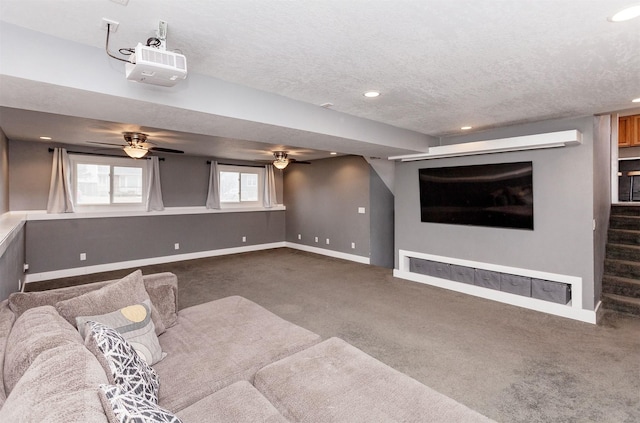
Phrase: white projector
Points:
(154, 66)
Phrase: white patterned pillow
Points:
(121, 363)
(123, 407)
(135, 325)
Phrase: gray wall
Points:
(601, 196)
(322, 200)
(4, 173)
(12, 257)
(381, 222)
(12, 247)
(562, 241)
(57, 244)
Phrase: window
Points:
(108, 181)
(240, 186)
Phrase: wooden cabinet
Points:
(629, 131)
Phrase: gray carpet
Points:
(508, 363)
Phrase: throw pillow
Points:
(121, 362)
(128, 290)
(124, 407)
(135, 325)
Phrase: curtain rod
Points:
(103, 154)
(230, 164)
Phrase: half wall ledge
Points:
(501, 145)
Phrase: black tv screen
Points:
(495, 195)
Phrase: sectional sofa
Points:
(117, 350)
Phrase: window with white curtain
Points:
(108, 182)
(241, 186)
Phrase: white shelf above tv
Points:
(501, 145)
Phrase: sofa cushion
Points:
(19, 302)
(163, 291)
(127, 291)
(335, 382)
(37, 330)
(121, 363)
(60, 386)
(135, 325)
(125, 407)
(237, 403)
(218, 343)
(7, 317)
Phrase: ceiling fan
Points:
(137, 145)
(282, 160)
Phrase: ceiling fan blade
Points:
(166, 150)
(106, 143)
(298, 161)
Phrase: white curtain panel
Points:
(269, 197)
(213, 193)
(60, 200)
(154, 192)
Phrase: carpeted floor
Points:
(508, 363)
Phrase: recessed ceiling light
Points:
(333, 153)
(46, 138)
(466, 128)
(372, 94)
(626, 14)
(636, 100)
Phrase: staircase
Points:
(621, 280)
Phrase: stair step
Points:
(625, 222)
(621, 304)
(623, 252)
(622, 236)
(622, 268)
(621, 286)
(630, 210)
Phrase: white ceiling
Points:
(439, 64)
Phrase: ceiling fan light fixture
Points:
(135, 152)
(280, 164)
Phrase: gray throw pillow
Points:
(128, 290)
(121, 362)
(135, 325)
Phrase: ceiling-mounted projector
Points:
(152, 65)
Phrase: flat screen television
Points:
(495, 195)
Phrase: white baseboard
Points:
(330, 253)
(78, 271)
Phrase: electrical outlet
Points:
(353, 245)
(244, 239)
(327, 241)
(361, 210)
(25, 267)
(316, 239)
(176, 246)
(83, 256)
(299, 236)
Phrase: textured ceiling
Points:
(439, 64)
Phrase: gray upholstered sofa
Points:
(228, 360)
